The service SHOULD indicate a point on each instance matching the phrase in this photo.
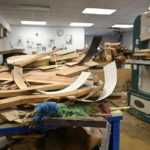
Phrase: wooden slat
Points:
(49, 67)
(79, 121)
(91, 63)
(64, 57)
(108, 54)
(72, 71)
(42, 78)
(142, 54)
(18, 77)
(28, 61)
(30, 90)
(143, 51)
(65, 52)
(4, 68)
(12, 51)
(71, 64)
(9, 114)
(24, 99)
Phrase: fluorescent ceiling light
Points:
(122, 26)
(34, 22)
(78, 24)
(98, 11)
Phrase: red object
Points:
(37, 34)
(105, 109)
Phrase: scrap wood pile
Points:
(142, 54)
(113, 51)
(36, 87)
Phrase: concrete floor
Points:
(135, 134)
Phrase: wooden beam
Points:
(12, 51)
(49, 67)
(41, 78)
(142, 54)
(143, 51)
(64, 57)
(78, 121)
(108, 55)
(28, 61)
(65, 52)
(24, 99)
(72, 71)
(30, 90)
(4, 68)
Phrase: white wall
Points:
(128, 39)
(28, 33)
(4, 23)
(111, 37)
(88, 40)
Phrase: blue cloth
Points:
(45, 111)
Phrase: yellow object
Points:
(119, 108)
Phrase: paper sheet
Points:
(110, 74)
(74, 86)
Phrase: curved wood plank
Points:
(18, 77)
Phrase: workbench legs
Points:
(115, 132)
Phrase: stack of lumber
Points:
(24, 76)
(12, 51)
(143, 54)
(113, 51)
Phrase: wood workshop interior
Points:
(75, 74)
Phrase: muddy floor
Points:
(135, 134)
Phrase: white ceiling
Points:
(62, 12)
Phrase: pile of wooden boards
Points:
(24, 76)
(113, 51)
(143, 54)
